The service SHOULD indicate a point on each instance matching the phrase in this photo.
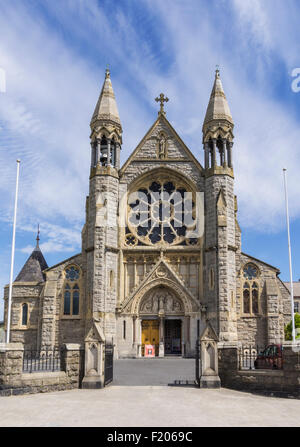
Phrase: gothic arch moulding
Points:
(181, 301)
(161, 300)
(163, 172)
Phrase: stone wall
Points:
(29, 293)
(220, 252)
(285, 382)
(13, 381)
(55, 329)
(267, 326)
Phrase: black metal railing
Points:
(44, 360)
(108, 363)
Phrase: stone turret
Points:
(106, 135)
(34, 266)
(218, 131)
(220, 205)
(100, 233)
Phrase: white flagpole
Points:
(12, 257)
(290, 254)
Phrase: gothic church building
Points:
(154, 267)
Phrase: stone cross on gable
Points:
(162, 98)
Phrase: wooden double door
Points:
(150, 334)
(172, 336)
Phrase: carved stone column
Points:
(206, 155)
(98, 151)
(109, 152)
(229, 153)
(161, 334)
(135, 322)
(213, 161)
(117, 155)
(224, 164)
(139, 336)
(93, 154)
(183, 339)
(187, 332)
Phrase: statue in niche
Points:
(162, 148)
(177, 306)
(161, 301)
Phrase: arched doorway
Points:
(161, 313)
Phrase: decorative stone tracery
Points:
(161, 300)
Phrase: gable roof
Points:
(162, 118)
(262, 262)
(296, 287)
(62, 262)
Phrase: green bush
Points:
(288, 328)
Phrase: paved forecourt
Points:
(153, 371)
(156, 406)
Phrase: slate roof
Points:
(296, 288)
(33, 267)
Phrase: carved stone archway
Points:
(188, 302)
(161, 300)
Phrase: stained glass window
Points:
(67, 300)
(254, 298)
(246, 296)
(162, 212)
(250, 290)
(75, 300)
(250, 271)
(71, 292)
(72, 273)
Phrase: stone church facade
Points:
(161, 249)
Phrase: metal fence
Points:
(109, 364)
(38, 361)
(255, 357)
(248, 355)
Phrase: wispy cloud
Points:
(54, 55)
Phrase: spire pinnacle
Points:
(38, 237)
(106, 108)
(218, 108)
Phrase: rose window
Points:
(250, 271)
(72, 273)
(161, 212)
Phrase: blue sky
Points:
(54, 55)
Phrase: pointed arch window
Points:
(24, 314)
(103, 151)
(251, 295)
(246, 298)
(255, 298)
(71, 304)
